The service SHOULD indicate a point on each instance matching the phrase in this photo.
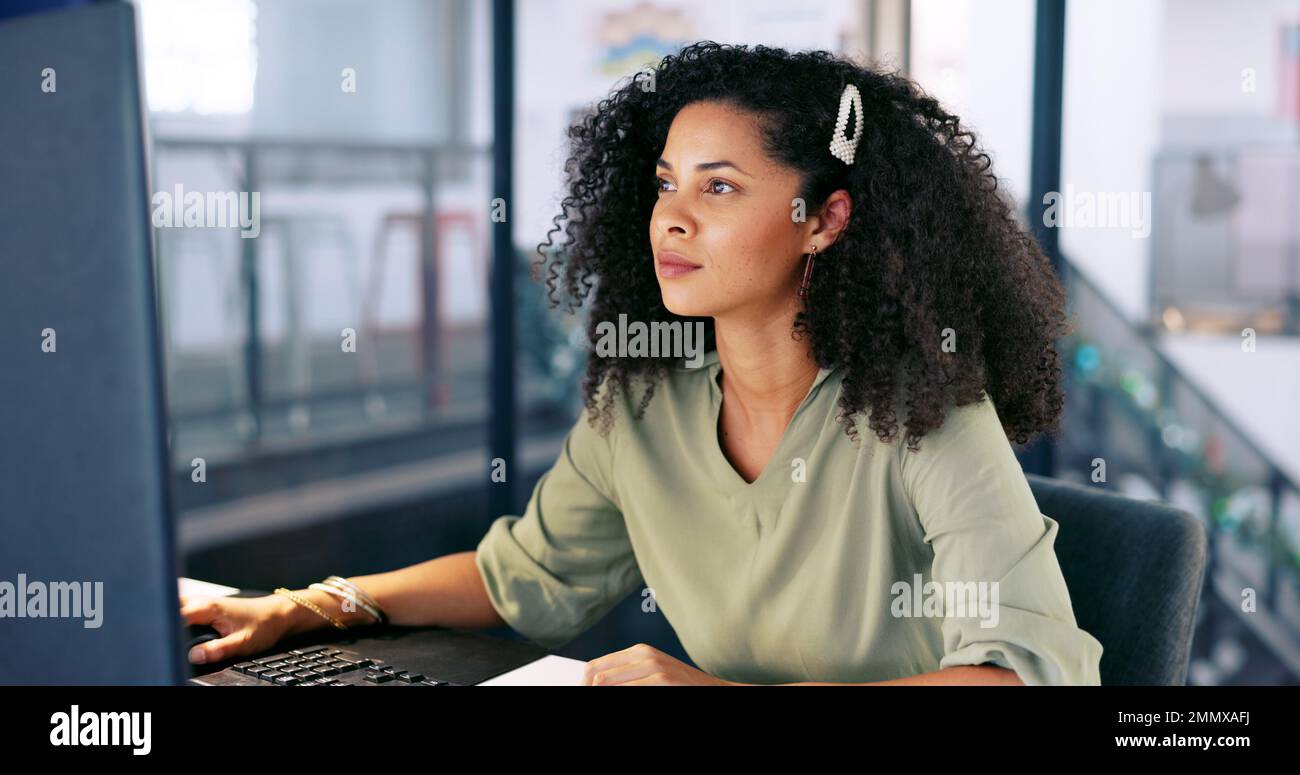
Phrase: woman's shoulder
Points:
(962, 423)
(971, 436)
(620, 397)
(685, 379)
(693, 362)
(678, 391)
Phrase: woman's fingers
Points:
(655, 679)
(245, 626)
(221, 648)
(200, 610)
(208, 610)
(632, 654)
(626, 673)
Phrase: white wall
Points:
(977, 58)
(1207, 45)
(1113, 82)
(394, 46)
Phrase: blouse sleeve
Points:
(555, 571)
(983, 524)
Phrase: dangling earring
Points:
(807, 273)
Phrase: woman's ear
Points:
(833, 217)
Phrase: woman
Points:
(862, 285)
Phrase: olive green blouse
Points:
(841, 562)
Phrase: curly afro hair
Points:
(932, 252)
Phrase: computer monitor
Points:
(85, 506)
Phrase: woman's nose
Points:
(673, 217)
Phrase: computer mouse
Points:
(198, 633)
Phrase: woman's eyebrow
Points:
(708, 165)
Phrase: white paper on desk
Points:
(550, 670)
(196, 588)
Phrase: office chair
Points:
(1134, 570)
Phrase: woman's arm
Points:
(446, 591)
(645, 665)
(963, 675)
(981, 519)
(571, 522)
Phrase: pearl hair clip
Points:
(844, 148)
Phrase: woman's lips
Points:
(672, 265)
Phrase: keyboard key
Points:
(288, 680)
(256, 670)
(328, 671)
(379, 678)
(307, 650)
(243, 666)
(270, 675)
(410, 677)
(266, 660)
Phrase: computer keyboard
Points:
(329, 666)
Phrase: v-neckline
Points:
(736, 483)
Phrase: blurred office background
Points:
(376, 217)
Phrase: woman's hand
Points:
(248, 625)
(643, 665)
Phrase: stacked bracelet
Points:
(359, 597)
(348, 596)
(341, 582)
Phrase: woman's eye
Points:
(660, 183)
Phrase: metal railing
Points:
(1141, 426)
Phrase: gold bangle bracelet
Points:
(302, 601)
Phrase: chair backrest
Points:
(1135, 570)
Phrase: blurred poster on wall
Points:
(1288, 93)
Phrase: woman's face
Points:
(725, 207)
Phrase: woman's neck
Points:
(765, 373)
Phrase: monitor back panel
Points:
(83, 460)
